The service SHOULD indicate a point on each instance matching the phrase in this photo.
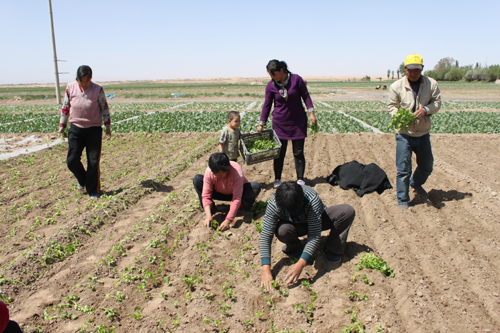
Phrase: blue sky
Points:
(141, 40)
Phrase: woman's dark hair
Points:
(276, 65)
(218, 162)
(290, 197)
(82, 71)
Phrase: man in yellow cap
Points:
(421, 95)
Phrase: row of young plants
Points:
(379, 105)
(238, 106)
(352, 105)
(69, 242)
(335, 122)
(36, 195)
(458, 122)
(177, 121)
(215, 106)
(8, 118)
(212, 121)
(113, 107)
(469, 105)
(149, 277)
(45, 123)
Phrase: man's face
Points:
(414, 74)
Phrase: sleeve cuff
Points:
(62, 125)
(305, 256)
(265, 261)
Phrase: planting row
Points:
(44, 122)
(378, 105)
(442, 122)
(213, 121)
(244, 105)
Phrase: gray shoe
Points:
(276, 183)
(403, 205)
(419, 189)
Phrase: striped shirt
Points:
(313, 208)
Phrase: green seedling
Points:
(370, 261)
(137, 315)
(110, 313)
(259, 207)
(365, 280)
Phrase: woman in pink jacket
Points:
(224, 180)
(85, 107)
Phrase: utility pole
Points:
(58, 92)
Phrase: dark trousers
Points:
(298, 154)
(90, 139)
(250, 191)
(338, 219)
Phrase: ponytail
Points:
(276, 65)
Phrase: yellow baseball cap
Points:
(414, 61)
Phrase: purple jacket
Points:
(289, 117)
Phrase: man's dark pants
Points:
(338, 219)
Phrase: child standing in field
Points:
(230, 135)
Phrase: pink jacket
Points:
(85, 108)
(231, 184)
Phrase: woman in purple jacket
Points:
(286, 91)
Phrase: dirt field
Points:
(119, 261)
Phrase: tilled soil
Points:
(140, 260)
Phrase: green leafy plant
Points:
(313, 129)
(370, 261)
(137, 315)
(191, 281)
(259, 207)
(260, 144)
(258, 225)
(402, 119)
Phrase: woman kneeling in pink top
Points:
(224, 180)
(85, 107)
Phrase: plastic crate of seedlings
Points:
(260, 147)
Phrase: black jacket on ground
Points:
(359, 177)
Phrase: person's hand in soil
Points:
(267, 276)
(294, 272)
(208, 221)
(225, 225)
